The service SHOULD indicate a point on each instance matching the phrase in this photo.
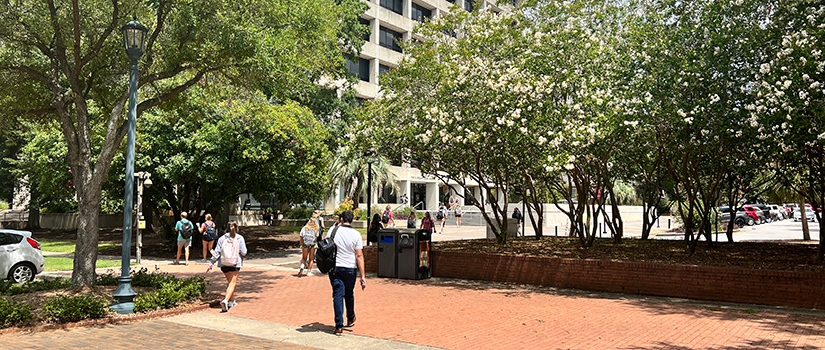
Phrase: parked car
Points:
(755, 214)
(740, 219)
(780, 212)
(20, 256)
(766, 211)
(809, 214)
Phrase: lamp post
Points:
(134, 34)
(368, 155)
(144, 180)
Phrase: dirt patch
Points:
(790, 256)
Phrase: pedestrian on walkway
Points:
(350, 256)
(427, 222)
(412, 220)
(457, 213)
(184, 230)
(442, 216)
(387, 217)
(309, 233)
(375, 226)
(517, 215)
(210, 234)
(231, 247)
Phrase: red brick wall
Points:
(767, 287)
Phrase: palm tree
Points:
(350, 173)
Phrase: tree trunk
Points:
(85, 256)
(34, 208)
(806, 231)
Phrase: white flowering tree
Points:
(514, 98)
(695, 62)
(791, 104)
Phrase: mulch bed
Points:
(38, 299)
(786, 255)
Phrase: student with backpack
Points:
(210, 234)
(184, 229)
(388, 217)
(349, 260)
(228, 252)
(441, 215)
(309, 233)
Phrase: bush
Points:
(299, 212)
(140, 278)
(170, 293)
(348, 204)
(10, 288)
(72, 309)
(4, 205)
(13, 313)
(404, 213)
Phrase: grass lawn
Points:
(56, 263)
(65, 246)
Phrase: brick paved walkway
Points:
(152, 334)
(484, 316)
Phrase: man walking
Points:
(342, 278)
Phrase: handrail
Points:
(416, 206)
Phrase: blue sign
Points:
(387, 238)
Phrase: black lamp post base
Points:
(124, 296)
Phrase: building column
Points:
(407, 9)
(432, 196)
(374, 70)
(375, 26)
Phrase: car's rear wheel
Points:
(751, 222)
(740, 222)
(22, 272)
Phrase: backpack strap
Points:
(332, 235)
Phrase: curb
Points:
(108, 321)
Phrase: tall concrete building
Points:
(391, 21)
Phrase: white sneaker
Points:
(224, 306)
(301, 270)
(233, 304)
(310, 274)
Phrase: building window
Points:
(389, 38)
(468, 5)
(383, 69)
(361, 69)
(396, 6)
(366, 22)
(420, 13)
(387, 195)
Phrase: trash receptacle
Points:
(387, 253)
(413, 254)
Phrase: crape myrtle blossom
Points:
(508, 89)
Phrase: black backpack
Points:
(326, 252)
(186, 229)
(211, 231)
(439, 215)
(386, 217)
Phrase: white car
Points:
(809, 214)
(20, 256)
(779, 212)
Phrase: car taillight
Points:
(34, 243)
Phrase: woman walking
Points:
(210, 234)
(309, 233)
(457, 213)
(427, 222)
(375, 226)
(231, 247)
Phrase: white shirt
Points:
(348, 240)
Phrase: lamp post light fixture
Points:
(134, 34)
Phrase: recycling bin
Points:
(387, 253)
(413, 260)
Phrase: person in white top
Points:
(350, 256)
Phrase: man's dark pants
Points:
(342, 280)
